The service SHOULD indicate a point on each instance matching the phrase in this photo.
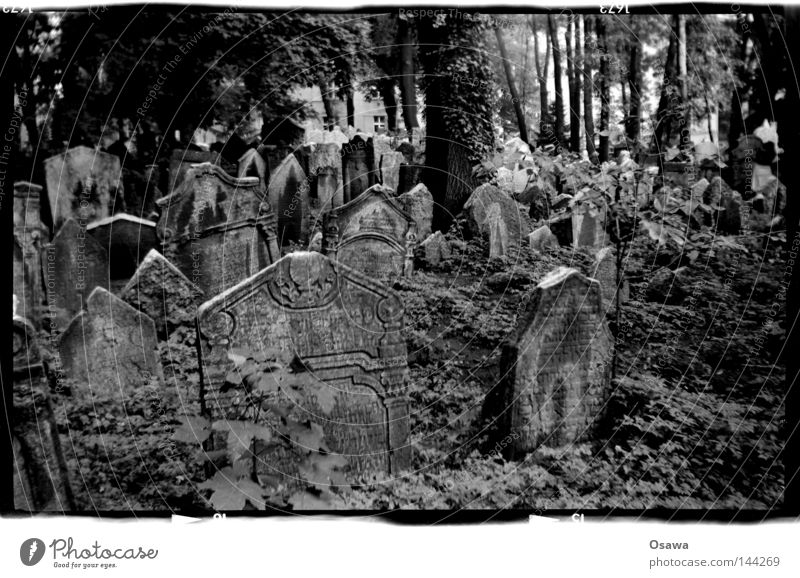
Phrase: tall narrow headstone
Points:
(498, 235)
(161, 291)
(418, 202)
(74, 264)
(390, 169)
(344, 328)
(325, 168)
(84, 184)
(372, 234)
(288, 195)
(32, 236)
(605, 271)
(588, 226)
(556, 365)
(359, 171)
(252, 164)
(217, 229)
(110, 348)
(41, 482)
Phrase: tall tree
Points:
(408, 83)
(605, 90)
(683, 82)
(542, 71)
(512, 85)
(572, 77)
(576, 103)
(634, 112)
(664, 115)
(588, 85)
(559, 79)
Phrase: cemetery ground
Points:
(693, 419)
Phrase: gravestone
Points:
(390, 169)
(74, 264)
(358, 167)
(498, 236)
(252, 164)
(556, 365)
(22, 282)
(325, 168)
(372, 234)
(729, 204)
(85, 184)
(182, 160)
(418, 203)
(41, 482)
(126, 239)
(477, 207)
(110, 347)
(436, 249)
(32, 236)
(160, 290)
(542, 239)
(605, 271)
(288, 196)
(217, 229)
(344, 328)
(588, 226)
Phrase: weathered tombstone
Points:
(32, 236)
(498, 235)
(390, 169)
(418, 203)
(252, 164)
(729, 204)
(85, 184)
(325, 167)
(75, 263)
(23, 282)
(605, 271)
(358, 167)
(505, 180)
(561, 227)
(126, 239)
(556, 365)
(372, 234)
(288, 195)
(521, 178)
(216, 229)
(588, 226)
(542, 239)
(436, 249)
(41, 482)
(477, 206)
(344, 328)
(180, 163)
(160, 290)
(316, 242)
(110, 348)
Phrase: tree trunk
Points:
(633, 121)
(605, 90)
(736, 122)
(683, 79)
(525, 69)
(572, 74)
(553, 36)
(327, 101)
(588, 86)
(386, 86)
(663, 128)
(408, 84)
(709, 112)
(541, 73)
(512, 85)
(576, 103)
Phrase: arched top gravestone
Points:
(556, 364)
(217, 229)
(344, 328)
(372, 234)
(288, 194)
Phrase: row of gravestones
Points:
(344, 324)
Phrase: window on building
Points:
(378, 124)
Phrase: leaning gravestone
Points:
(288, 196)
(588, 226)
(85, 184)
(41, 482)
(390, 169)
(477, 207)
(126, 239)
(325, 167)
(75, 263)
(217, 229)
(372, 234)
(418, 202)
(435, 249)
(498, 235)
(556, 365)
(161, 291)
(22, 281)
(358, 167)
(543, 239)
(605, 271)
(110, 348)
(346, 330)
(180, 163)
(32, 236)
